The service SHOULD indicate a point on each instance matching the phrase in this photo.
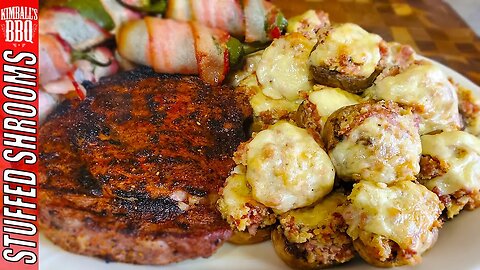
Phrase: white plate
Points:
(458, 246)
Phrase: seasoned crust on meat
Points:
(132, 172)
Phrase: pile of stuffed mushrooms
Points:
(358, 148)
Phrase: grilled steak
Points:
(132, 172)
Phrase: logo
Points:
(19, 76)
(18, 24)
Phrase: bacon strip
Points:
(210, 50)
(119, 13)
(223, 14)
(55, 58)
(171, 46)
(79, 32)
(83, 70)
(255, 17)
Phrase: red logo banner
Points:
(19, 149)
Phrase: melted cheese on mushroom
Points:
(263, 105)
(470, 109)
(249, 67)
(283, 71)
(308, 23)
(348, 49)
(307, 221)
(404, 212)
(237, 205)
(460, 151)
(327, 100)
(379, 151)
(286, 168)
(424, 87)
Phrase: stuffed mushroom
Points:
(285, 167)
(374, 141)
(348, 57)
(427, 90)
(450, 167)
(314, 237)
(320, 104)
(277, 80)
(250, 220)
(308, 23)
(469, 107)
(392, 225)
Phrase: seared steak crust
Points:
(132, 172)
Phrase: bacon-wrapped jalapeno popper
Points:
(171, 46)
(256, 20)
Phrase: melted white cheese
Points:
(249, 68)
(261, 104)
(378, 151)
(461, 152)
(426, 88)
(473, 118)
(287, 169)
(236, 203)
(348, 41)
(404, 212)
(308, 23)
(283, 71)
(310, 218)
(327, 100)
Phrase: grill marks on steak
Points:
(111, 164)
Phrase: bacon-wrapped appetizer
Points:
(84, 23)
(256, 20)
(69, 32)
(171, 46)
(63, 70)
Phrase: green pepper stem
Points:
(249, 48)
(238, 50)
(78, 55)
